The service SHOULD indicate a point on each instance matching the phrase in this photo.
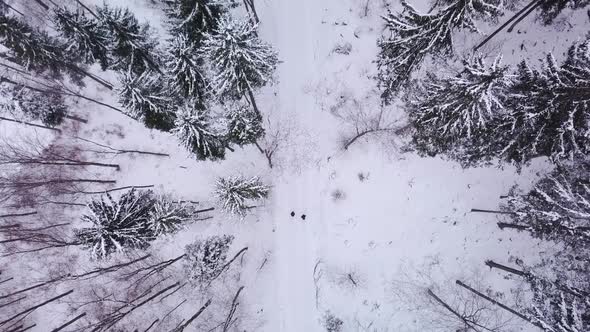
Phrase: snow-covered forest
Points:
(282, 165)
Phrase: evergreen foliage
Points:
(413, 36)
(35, 50)
(455, 115)
(48, 107)
(133, 50)
(147, 98)
(557, 208)
(234, 193)
(184, 65)
(84, 36)
(195, 17)
(169, 216)
(206, 260)
(549, 9)
(118, 224)
(194, 129)
(240, 60)
(244, 126)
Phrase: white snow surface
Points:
(408, 220)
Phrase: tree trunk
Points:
(197, 314)
(253, 100)
(205, 210)
(515, 16)
(524, 15)
(42, 4)
(508, 269)
(33, 308)
(491, 211)
(503, 306)
(76, 118)
(68, 323)
(29, 124)
(503, 225)
(448, 307)
(18, 214)
(115, 189)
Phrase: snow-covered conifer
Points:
(133, 49)
(557, 208)
(147, 98)
(549, 112)
(118, 224)
(455, 114)
(184, 65)
(413, 36)
(560, 312)
(241, 61)
(48, 107)
(236, 192)
(84, 35)
(169, 215)
(194, 129)
(206, 259)
(195, 17)
(35, 50)
(244, 126)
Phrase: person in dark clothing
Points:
(303, 216)
(292, 213)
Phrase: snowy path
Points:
(295, 243)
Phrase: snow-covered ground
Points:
(381, 225)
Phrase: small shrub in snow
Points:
(345, 48)
(338, 195)
(206, 259)
(236, 192)
(332, 323)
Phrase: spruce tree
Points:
(118, 225)
(244, 126)
(84, 36)
(133, 50)
(35, 50)
(194, 129)
(184, 65)
(206, 260)
(48, 107)
(455, 115)
(413, 36)
(195, 17)
(169, 215)
(241, 61)
(236, 192)
(557, 208)
(549, 110)
(147, 98)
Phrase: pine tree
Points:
(236, 192)
(549, 9)
(240, 60)
(455, 115)
(413, 36)
(133, 50)
(48, 107)
(206, 260)
(35, 50)
(184, 65)
(118, 224)
(549, 110)
(244, 126)
(169, 216)
(557, 208)
(560, 312)
(84, 36)
(194, 129)
(147, 98)
(195, 17)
